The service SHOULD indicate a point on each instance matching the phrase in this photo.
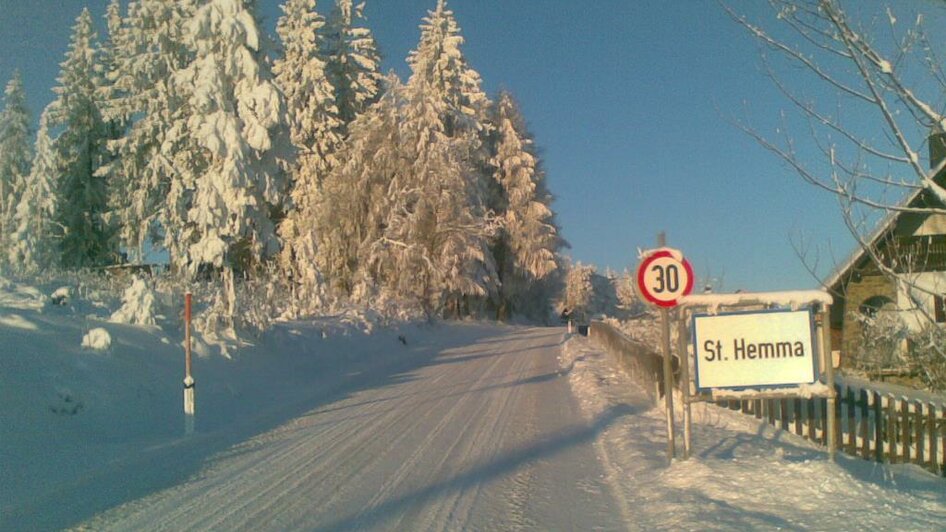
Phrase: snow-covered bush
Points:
(60, 296)
(138, 304)
(927, 356)
(882, 337)
(97, 339)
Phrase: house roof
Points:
(888, 221)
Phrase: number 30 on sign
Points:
(664, 276)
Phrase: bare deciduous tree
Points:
(870, 88)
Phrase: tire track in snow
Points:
(344, 440)
(455, 509)
(455, 443)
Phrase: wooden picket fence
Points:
(874, 421)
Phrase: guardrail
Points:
(640, 361)
(873, 421)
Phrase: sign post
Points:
(663, 277)
(764, 345)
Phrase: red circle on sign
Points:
(642, 271)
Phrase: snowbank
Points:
(743, 474)
(80, 433)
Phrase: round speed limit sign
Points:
(664, 276)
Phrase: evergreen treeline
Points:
(291, 159)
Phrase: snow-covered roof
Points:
(792, 299)
(859, 252)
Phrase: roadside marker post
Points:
(189, 400)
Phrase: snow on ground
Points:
(74, 416)
(317, 424)
(743, 474)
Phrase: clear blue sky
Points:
(629, 102)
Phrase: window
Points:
(939, 309)
(871, 305)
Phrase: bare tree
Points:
(870, 89)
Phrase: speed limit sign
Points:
(664, 276)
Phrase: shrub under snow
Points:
(97, 339)
(137, 305)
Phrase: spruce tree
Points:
(236, 114)
(527, 244)
(438, 64)
(314, 131)
(34, 243)
(353, 61)
(443, 83)
(433, 246)
(14, 156)
(356, 196)
(119, 189)
(150, 173)
(79, 149)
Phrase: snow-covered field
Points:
(319, 425)
(85, 425)
(743, 474)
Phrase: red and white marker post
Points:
(663, 277)
(189, 400)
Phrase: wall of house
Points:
(915, 287)
(859, 291)
(934, 224)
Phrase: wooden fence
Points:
(640, 361)
(874, 421)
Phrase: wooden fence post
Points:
(796, 413)
(892, 453)
(932, 429)
(878, 427)
(865, 425)
(851, 422)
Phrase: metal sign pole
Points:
(189, 400)
(668, 380)
(684, 358)
(828, 357)
(668, 369)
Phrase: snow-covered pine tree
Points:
(119, 189)
(353, 61)
(14, 157)
(236, 121)
(356, 196)
(627, 293)
(526, 248)
(34, 243)
(444, 84)
(314, 129)
(579, 291)
(439, 65)
(434, 248)
(151, 174)
(86, 240)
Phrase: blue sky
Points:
(630, 102)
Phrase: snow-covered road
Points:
(484, 436)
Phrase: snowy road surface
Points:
(484, 436)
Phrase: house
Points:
(910, 244)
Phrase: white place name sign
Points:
(749, 349)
